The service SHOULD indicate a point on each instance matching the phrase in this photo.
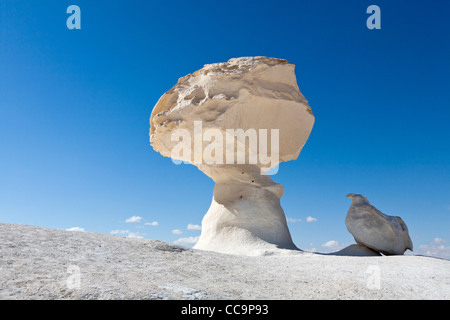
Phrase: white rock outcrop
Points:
(210, 119)
(376, 230)
(37, 264)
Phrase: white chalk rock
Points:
(376, 230)
(211, 119)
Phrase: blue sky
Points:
(75, 105)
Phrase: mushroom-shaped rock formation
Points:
(376, 230)
(235, 120)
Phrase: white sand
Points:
(34, 264)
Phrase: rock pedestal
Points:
(234, 120)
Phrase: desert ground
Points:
(40, 263)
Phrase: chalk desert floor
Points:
(40, 263)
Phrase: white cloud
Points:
(293, 220)
(439, 251)
(119, 232)
(133, 219)
(75, 229)
(135, 235)
(127, 233)
(308, 219)
(311, 249)
(154, 223)
(436, 248)
(177, 231)
(331, 244)
(194, 227)
(187, 240)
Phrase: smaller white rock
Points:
(376, 230)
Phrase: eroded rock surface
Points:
(252, 96)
